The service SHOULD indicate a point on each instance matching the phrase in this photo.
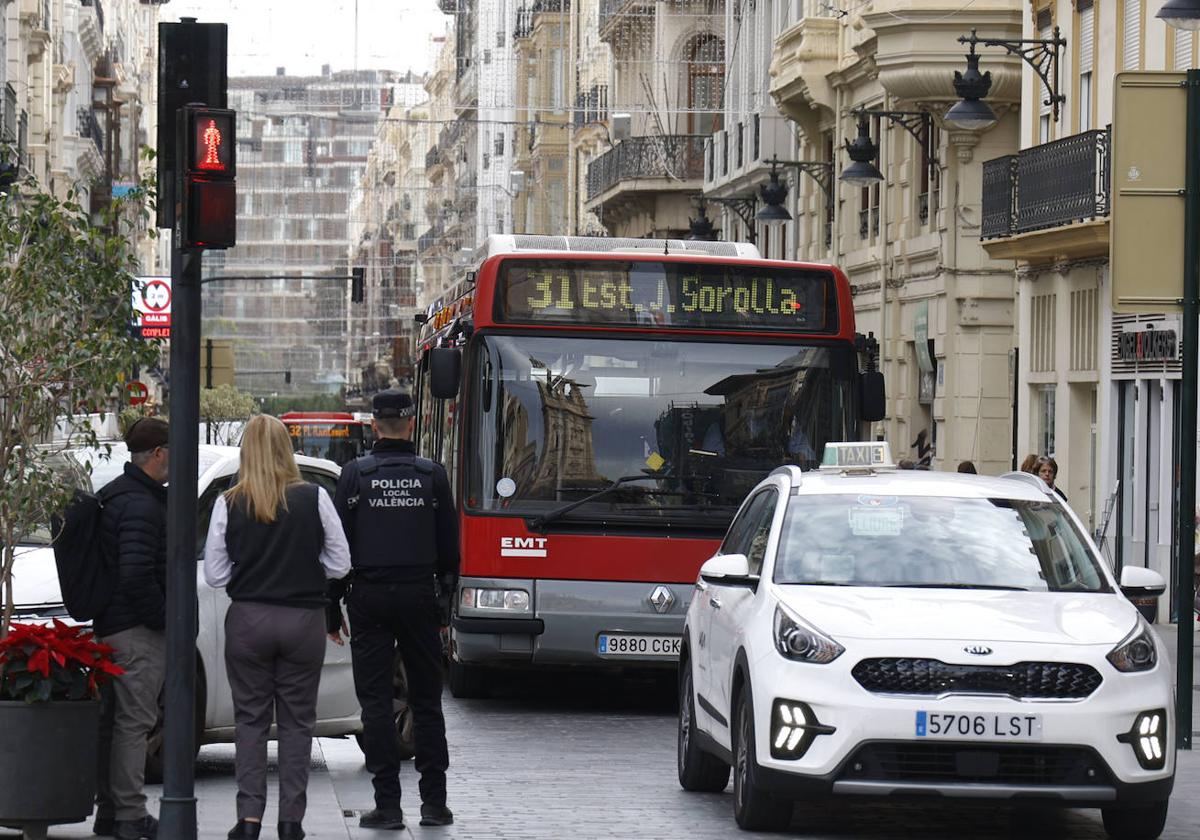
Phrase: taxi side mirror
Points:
(445, 367)
(1143, 587)
(728, 570)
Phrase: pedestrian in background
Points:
(398, 512)
(273, 542)
(1029, 464)
(1046, 469)
(133, 529)
(967, 467)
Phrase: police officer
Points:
(398, 513)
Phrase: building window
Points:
(1045, 26)
(1185, 46)
(1131, 34)
(1087, 38)
(1046, 407)
(705, 82)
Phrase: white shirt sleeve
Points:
(218, 568)
(335, 554)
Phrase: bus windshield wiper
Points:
(539, 522)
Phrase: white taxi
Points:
(865, 630)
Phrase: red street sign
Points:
(138, 392)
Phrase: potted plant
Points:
(67, 344)
(50, 677)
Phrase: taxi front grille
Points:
(992, 764)
(1024, 680)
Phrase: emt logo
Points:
(522, 546)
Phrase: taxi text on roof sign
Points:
(867, 454)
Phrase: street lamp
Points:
(701, 228)
(1185, 14)
(862, 172)
(774, 192)
(1042, 54)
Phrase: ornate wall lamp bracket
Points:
(1042, 54)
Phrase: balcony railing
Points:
(1046, 186)
(89, 127)
(591, 106)
(679, 157)
(524, 25)
(610, 10)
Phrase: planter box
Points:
(48, 774)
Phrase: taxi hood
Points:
(864, 612)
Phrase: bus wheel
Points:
(468, 681)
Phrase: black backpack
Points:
(86, 577)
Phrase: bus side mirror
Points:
(445, 364)
(872, 399)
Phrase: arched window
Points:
(704, 68)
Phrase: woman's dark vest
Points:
(278, 562)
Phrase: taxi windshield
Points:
(934, 542)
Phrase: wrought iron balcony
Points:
(1047, 186)
(89, 127)
(679, 157)
(524, 25)
(8, 115)
(611, 10)
(591, 106)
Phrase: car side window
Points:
(204, 514)
(760, 531)
(742, 532)
(321, 479)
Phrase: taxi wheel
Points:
(698, 770)
(753, 808)
(1143, 822)
(467, 682)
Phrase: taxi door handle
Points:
(715, 601)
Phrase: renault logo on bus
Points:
(523, 546)
(662, 599)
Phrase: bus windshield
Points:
(338, 441)
(699, 423)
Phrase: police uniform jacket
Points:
(399, 517)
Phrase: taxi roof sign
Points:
(859, 455)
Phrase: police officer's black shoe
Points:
(436, 815)
(290, 831)
(144, 829)
(104, 826)
(383, 818)
(245, 830)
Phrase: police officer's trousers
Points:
(384, 617)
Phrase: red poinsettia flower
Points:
(53, 662)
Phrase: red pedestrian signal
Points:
(209, 190)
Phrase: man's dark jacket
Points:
(134, 531)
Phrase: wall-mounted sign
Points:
(1143, 343)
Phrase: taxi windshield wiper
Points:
(955, 586)
(539, 522)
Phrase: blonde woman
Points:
(273, 542)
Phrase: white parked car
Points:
(871, 631)
(37, 597)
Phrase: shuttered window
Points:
(1087, 41)
(1045, 30)
(1184, 46)
(1131, 44)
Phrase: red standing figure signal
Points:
(212, 145)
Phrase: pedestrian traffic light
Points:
(358, 285)
(210, 177)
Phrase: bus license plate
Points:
(979, 727)
(625, 644)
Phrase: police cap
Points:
(393, 403)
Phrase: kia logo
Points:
(978, 650)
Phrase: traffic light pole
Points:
(177, 811)
(1186, 539)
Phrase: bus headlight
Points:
(507, 600)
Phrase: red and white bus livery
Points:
(603, 406)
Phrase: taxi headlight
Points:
(508, 600)
(1136, 652)
(801, 642)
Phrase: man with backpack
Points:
(398, 512)
(133, 535)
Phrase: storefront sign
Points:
(1148, 345)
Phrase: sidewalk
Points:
(1169, 634)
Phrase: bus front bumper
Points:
(601, 624)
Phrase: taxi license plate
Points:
(957, 726)
(626, 644)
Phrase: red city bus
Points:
(335, 435)
(603, 406)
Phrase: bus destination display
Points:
(666, 294)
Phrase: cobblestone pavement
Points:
(594, 758)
